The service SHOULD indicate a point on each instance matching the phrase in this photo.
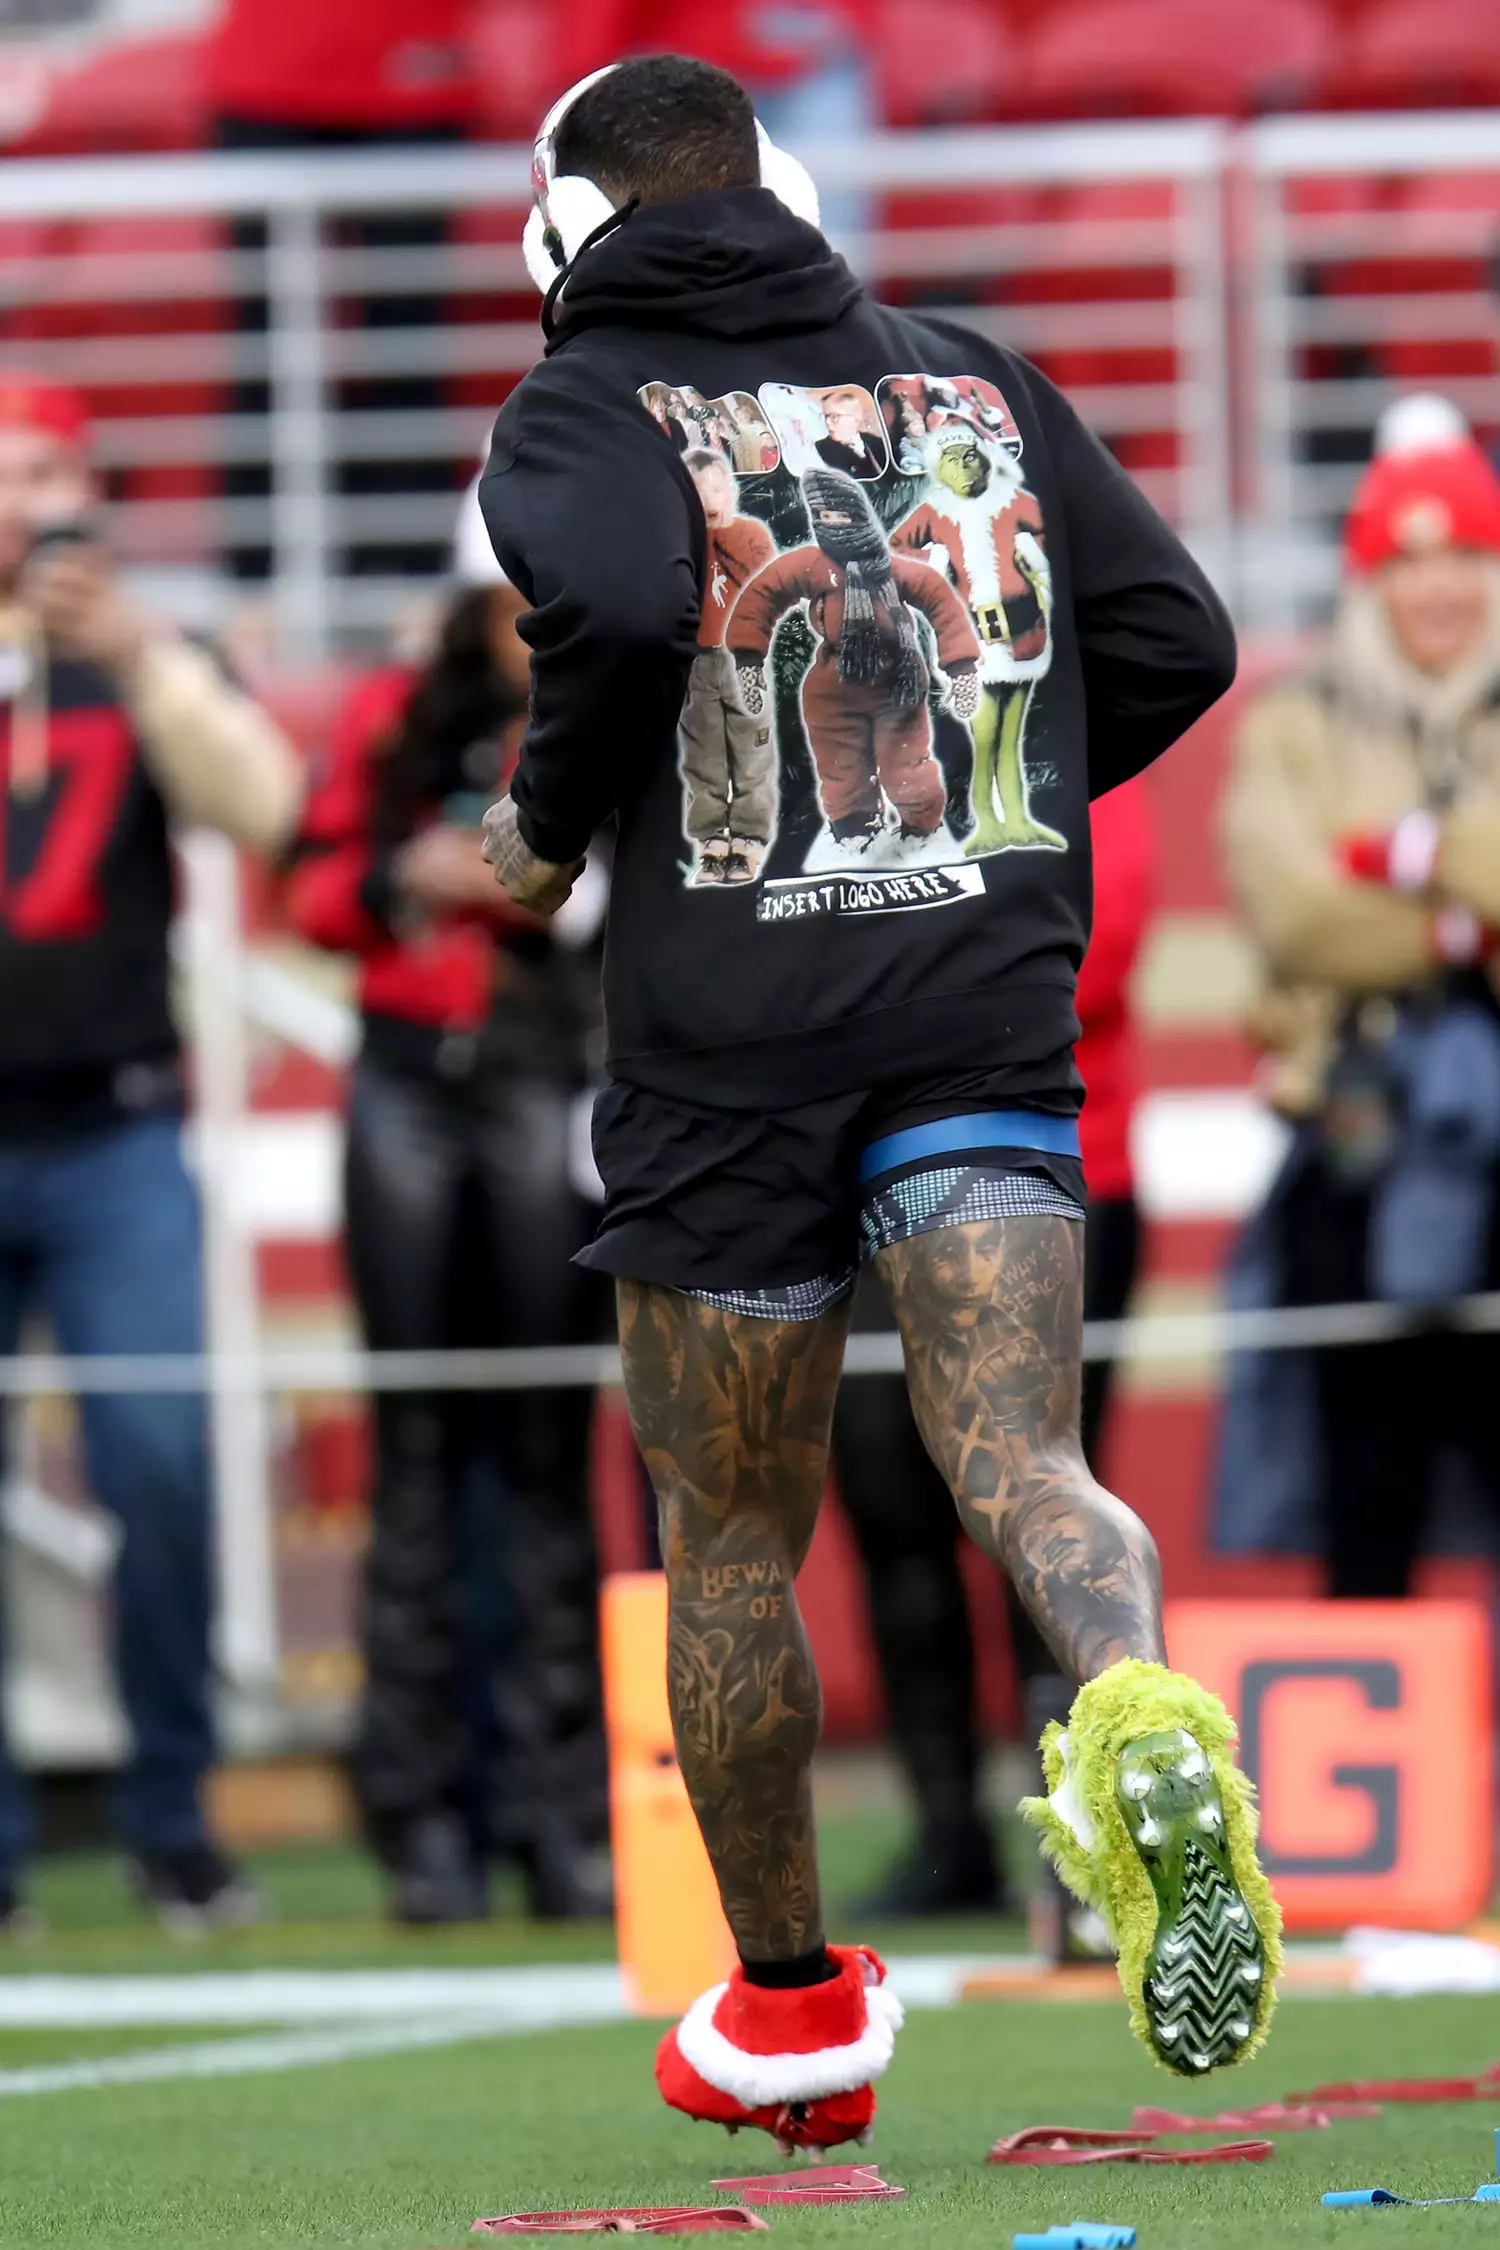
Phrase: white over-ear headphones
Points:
(566, 211)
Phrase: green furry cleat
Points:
(1150, 1822)
(1206, 1967)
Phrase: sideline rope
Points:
(1151, 1338)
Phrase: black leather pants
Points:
(449, 1182)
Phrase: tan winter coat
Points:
(219, 759)
(1348, 748)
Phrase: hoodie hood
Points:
(730, 263)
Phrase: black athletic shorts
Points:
(771, 1214)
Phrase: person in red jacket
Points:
(897, 1504)
(477, 1020)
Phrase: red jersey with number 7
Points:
(86, 899)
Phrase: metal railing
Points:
(262, 352)
(1368, 273)
(261, 356)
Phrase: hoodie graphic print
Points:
(875, 624)
(840, 616)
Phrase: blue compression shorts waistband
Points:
(992, 1128)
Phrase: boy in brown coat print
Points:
(864, 696)
(727, 757)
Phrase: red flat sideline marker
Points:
(1268, 2117)
(706, 2218)
(821, 2183)
(1076, 2144)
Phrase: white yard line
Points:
(343, 2015)
(305, 1996)
(277, 2051)
(586, 1992)
(339, 2015)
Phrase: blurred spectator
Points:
(898, 1505)
(808, 64)
(115, 731)
(1363, 836)
(477, 1020)
(348, 74)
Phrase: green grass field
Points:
(404, 2151)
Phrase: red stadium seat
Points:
(946, 62)
(1423, 54)
(149, 94)
(1435, 235)
(1442, 242)
(1091, 218)
(516, 48)
(26, 75)
(1447, 225)
(1124, 58)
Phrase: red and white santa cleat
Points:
(799, 2065)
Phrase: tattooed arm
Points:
(732, 1415)
(539, 884)
(991, 1319)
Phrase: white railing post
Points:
(1205, 477)
(1269, 590)
(241, 1452)
(298, 431)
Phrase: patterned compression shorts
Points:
(771, 1215)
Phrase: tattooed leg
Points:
(991, 1320)
(1148, 1820)
(733, 1414)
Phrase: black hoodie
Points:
(910, 914)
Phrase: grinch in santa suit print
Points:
(988, 527)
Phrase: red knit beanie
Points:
(27, 403)
(1409, 503)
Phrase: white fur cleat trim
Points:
(758, 2080)
(1068, 1805)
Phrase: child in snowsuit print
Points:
(864, 696)
(990, 528)
(727, 757)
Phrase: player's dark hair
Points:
(458, 699)
(658, 127)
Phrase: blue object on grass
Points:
(1077, 2234)
(1350, 2199)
